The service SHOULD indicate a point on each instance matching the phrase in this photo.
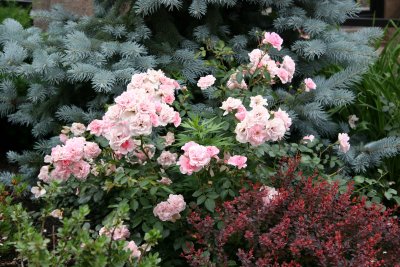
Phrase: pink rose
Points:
(275, 129)
(309, 138)
(344, 144)
(91, 150)
(238, 161)
(96, 127)
(177, 120)
(169, 210)
(231, 104)
(169, 139)
(63, 138)
(77, 128)
(167, 159)
(212, 151)
(198, 156)
(136, 253)
(44, 174)
(185, 167)
(256, 135)
(165, 181)
(283, 75)
(310, 85)
(284, 117)
(272, 193)
(274, 39)
(205, 82)
(81, 170)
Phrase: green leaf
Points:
(201, 199)
(197, 193)
(210, 204)
(213, 195)
(388, 195)
(359, 179)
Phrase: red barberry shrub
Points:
(305, 223)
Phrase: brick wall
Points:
(80, 7)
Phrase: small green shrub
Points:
(14, 11)
(378, 101)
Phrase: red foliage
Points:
(307, 224)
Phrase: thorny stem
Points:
(143, 149)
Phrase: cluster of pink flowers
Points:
(145, 104)
(169, 210)
(196, 157)
(70, 159)
(283, 70)
(256, 125)
(120, 232)
(344, 144)
(260, 59)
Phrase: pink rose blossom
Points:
(81, 170)
(63, 138)
(185, 167)
(118, 233)
(206, 82)
(77, 128)
(258, 59)
(274, 39)
(283, 75)
(169, 210)
(257, 135)
(310, 85)
(232, 83)
(96, 127)
(284, 117)
(344, 144)
(275, 129)
(212, 151)
(37, 191)
(352, 121)
(136, 253)
(196, 157)
(167, 159)
(165, 181)
(169, 139)
(272, 193)
(231, 104)
(257, 101)
(44, 174)
(91, 150)
(309, 138)
(238, 161)
(177, 120)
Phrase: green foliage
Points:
(11, 10)
(378, 104)
(37, 239)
